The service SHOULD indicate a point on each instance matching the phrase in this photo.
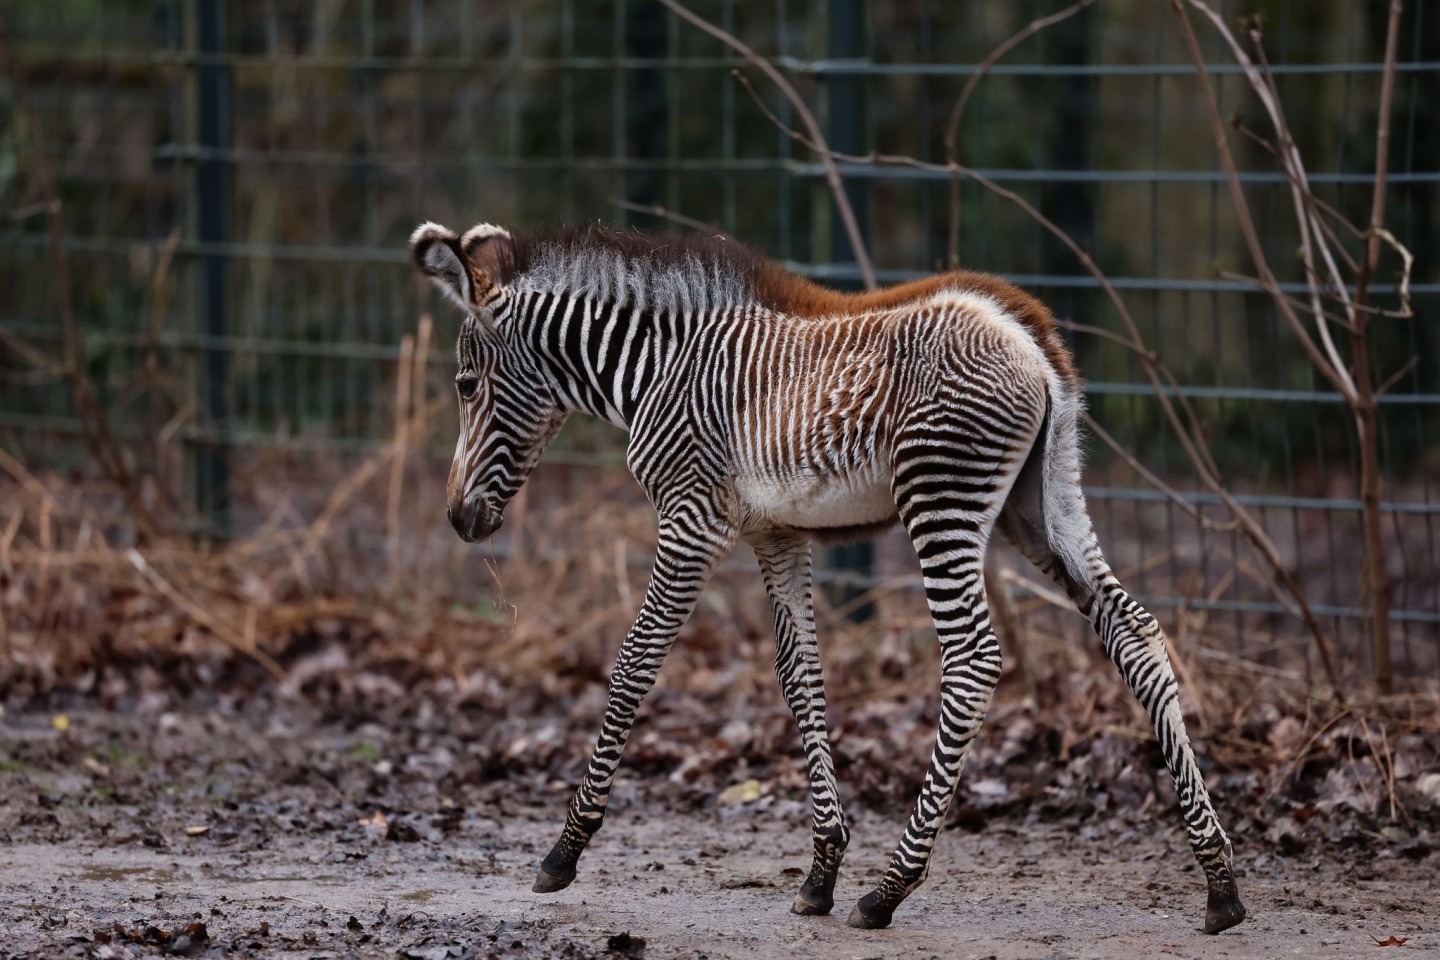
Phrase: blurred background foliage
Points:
(348, 121)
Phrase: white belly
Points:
(854, 500)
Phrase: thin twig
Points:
(665, 213)
(952, 129)
(218, 628)
(832, 173)
(1326, 361)
(1397, 376)
(1377, 579)
(1189, 508)
(1169, 394)
(94, 423)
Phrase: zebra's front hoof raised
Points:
(869, 913)
(1223, 910)
(547, 882)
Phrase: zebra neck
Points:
(603, 357)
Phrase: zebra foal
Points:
(765, 408)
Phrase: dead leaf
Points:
(1390, 941)
(402, 832)
(193, 938)
(198, 831)
(747, 791)
(626, 945)
(377, 823)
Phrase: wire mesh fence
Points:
(238, 181)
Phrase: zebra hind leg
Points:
(948, 501)
(1133, 641)
(785, 564)
(970, 668)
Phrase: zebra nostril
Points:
(460, 517)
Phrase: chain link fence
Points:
(239, 178)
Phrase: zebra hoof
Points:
(1223, 910)
(869, 914)
(812, 903)
(547, 882)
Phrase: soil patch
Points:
(285, 831)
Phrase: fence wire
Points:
(239, 180)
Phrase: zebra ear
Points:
(437, 254)
(491, 250)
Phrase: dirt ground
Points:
(279, 832)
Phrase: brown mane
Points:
(786, 292)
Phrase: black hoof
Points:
(869, 913)
(1223, 911)
(547, 882)
(812, 903)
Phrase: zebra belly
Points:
(818, 503)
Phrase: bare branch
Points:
(1327, 362)
(1188, 428)
(832, 173)
(664, 213)
(94, 424)
(952, 129)
(1317, 239)
(1377, 579)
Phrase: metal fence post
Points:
(645, 134)
(845, 118)
(1071, 206)
(213, 195)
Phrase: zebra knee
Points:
(834, 837)
(976, 673)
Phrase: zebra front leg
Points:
(684, 558)
(785, 566)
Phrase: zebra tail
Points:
(1066, 520)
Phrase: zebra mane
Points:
(671, 273)
(693, 274)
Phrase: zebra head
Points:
(508, 408)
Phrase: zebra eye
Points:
(467, 386)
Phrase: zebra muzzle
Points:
(475, 520)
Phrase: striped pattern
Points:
(763, 408)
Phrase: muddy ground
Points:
(279, 829)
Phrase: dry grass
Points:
(550, 598)
(347, 574)
(336, 608)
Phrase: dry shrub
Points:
(323, 603)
